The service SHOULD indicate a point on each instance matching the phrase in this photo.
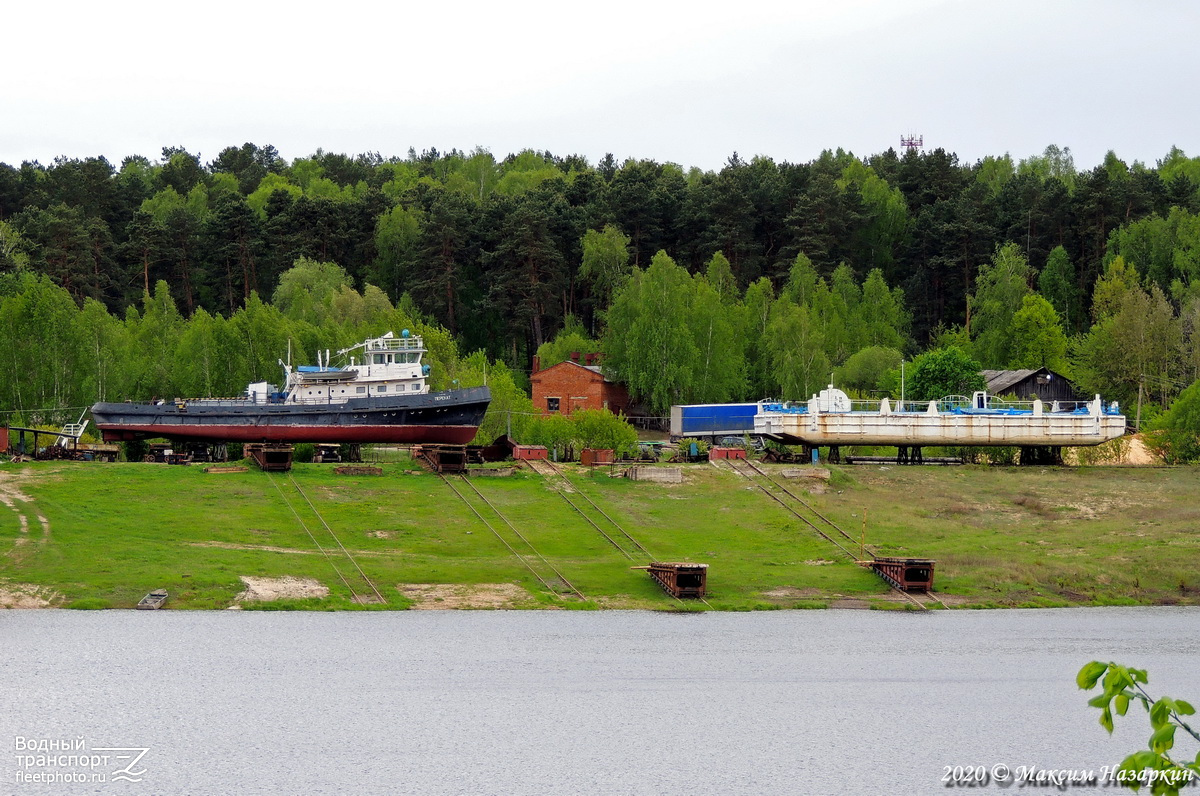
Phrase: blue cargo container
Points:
(712, 420)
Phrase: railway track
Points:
(362, 589)
(598, 518)
(822, 525)
(593, 515)
(545, 572)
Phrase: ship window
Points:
(379, 359)
(552, 404)
(381, 388)
(360, 389)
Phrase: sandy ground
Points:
(26, 595)
(286, 588)
(1127, 450)
(442, 596)
(1138, 454)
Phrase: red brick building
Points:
(576, 384)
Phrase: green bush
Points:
(88, 604)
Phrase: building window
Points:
(552, 404)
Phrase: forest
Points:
(173, 275)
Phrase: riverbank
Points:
(90, 535)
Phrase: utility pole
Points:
(1137, 423)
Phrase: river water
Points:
(799, 702)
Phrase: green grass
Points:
(1001, 536)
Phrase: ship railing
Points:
(320, 399)
(395, 344)
(232, 400)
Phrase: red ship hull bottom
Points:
(406, 434)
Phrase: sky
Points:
(689, 83)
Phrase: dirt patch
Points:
(1096, 507)
(447, 596)
(266, 548)
(793, 593)
(1138, 453)
(11, 495)
(857, 605)
(25, 595)
(10, 489)
(285, 588)
(262, 547)
(382, 534)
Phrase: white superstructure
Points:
(383, 366)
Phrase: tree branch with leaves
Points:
(1154, 766)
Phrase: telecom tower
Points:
(912, 142)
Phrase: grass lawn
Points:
(1001, 536)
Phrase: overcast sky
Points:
(683, 82)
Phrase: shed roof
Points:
(1000, 381)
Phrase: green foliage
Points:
(1155, 766)
(1000, 288)
(865, 370)
(605, 261)
(13, 256)
(570, 340)
(1164, 249)
(397, 241)
(1057, 284)
(1038, 338)
(796, 348)
(1119, 278)
(306, 290)
(1054, 163)
(941, 372)
(1132, 349)
(720, 278)
(1181, 427)
(756, 319)
(600, 428)
(88, 604)
(671, 339)
(500, 251)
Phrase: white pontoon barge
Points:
(831, 418)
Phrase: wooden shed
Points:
(591, 457)
(1028, 384)
(530, 452)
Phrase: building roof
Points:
(595, 369)
(1000, 381)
